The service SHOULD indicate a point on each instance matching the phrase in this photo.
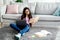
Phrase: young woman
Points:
(25, 16)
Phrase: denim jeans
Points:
(24, 30)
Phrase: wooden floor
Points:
(7, 34)
(0, 25)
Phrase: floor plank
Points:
(0, 25)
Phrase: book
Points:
(42, 33)
(34, 19)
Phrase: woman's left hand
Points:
(31, 20)
(34, 20)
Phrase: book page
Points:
(34, 20)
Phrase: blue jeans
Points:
(24, 30)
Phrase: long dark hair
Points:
(24, 14)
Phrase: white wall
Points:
(49, 1)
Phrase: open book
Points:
(43, 33)
(34, 20)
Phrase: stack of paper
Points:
(42, 33)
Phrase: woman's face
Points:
(27, 12)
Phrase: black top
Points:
(21, 23)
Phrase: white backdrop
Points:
(49, 1)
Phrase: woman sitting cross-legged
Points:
(22, 29)
(23, 25)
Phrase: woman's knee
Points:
(12, 24)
